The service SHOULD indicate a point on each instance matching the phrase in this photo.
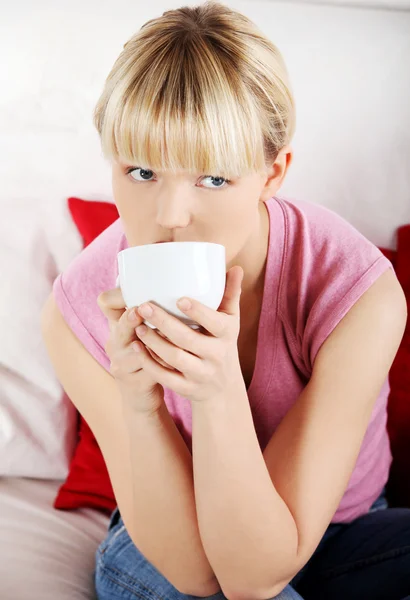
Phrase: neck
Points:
(252, 258)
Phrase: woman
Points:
(248, 458)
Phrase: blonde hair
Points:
(198, 89)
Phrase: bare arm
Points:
(263, 516)
(149, 464)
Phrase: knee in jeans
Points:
(123, 569)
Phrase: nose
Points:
(172, 210)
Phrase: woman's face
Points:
(169, 207)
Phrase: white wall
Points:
(350, 73)
(383, 4)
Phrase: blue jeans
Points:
(367, 559)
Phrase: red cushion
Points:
(91, 218)
(88, 483)
(399, 399)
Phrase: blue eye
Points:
(219, 181)
(144, 173)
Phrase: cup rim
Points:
(170, 243)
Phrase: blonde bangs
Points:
(195, 122)
(184, 95)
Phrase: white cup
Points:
(163, 273)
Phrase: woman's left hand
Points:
(203, 365)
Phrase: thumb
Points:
(231, 300)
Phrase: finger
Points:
(127, 361)
(176, 357)
(215, 321)
(212, 321)
(165, 377)
(231, 301)
(111, 303)
(177, 332)
(128, 369)
(128, 364)
(155, 356)
(158, 359)
(125, 328)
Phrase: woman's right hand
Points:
(136, 386)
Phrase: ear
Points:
(276, 173)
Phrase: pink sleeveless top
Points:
(318, 266)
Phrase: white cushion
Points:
(45, 554)
(37, 422)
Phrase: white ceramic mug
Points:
(163, 273)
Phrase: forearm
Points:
(247, 530)
(165, 526)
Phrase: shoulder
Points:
(76, 290)
(312, 224)
(328, 265)
(322, 245)
(96, 266)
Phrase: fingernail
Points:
(184, 304)
(141, 330)
(145, 310)
(132, 315)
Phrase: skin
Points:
(184, 522)
(180, 208)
